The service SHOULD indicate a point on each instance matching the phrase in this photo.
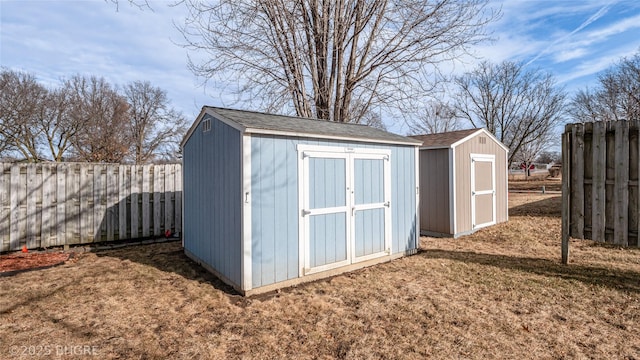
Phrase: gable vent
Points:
(482, 139)
(206, 125)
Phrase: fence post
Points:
(566, 192)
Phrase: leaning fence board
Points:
(49, 204)
(602, 182)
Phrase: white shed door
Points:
(345, 206)
(483, 190)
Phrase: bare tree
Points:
(154, 126)
(22, 102)
(584, 106)
(141, 4)
(103, 114)
(436, 117)
(616, 98)
(521, 107)
(330, 59)
(59, 126)
(528, 154)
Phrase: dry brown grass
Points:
(536, 184)
(500, 293)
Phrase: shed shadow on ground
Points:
(169, 257)
(616, 279)
(549, 207)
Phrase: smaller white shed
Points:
(463, 182)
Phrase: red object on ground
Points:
(32, 260)
(24, 249)
(167, 233)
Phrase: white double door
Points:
(345, 211)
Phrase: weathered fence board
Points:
(44, 205)
(14, 209)
(133, 202)
(146, 201)
(61, 196)
(5, 181)
(178, 199)
(601, 181)
(577, 177)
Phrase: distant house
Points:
(271, 201)
(463, 182)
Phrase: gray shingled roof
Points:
(304, 126)
(444, 139)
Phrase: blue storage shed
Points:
(272, 201)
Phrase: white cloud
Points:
(596, 65)
(613, 29)
(601, 12)
(570, 54)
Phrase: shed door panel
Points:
(327, 210)
(483, 190)
(370, 205)
(483, 176)
(483, 209)
(327, 239)
(327, 178)
(369, 232)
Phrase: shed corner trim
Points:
(245, 247)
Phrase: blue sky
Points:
(54, 39)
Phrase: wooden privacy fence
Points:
(601, 197)
(44, 205)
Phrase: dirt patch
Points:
(29, 261)
(499, 293)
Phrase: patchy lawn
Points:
(500, 293)
(536, 184)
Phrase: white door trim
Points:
(350, 155)
(483, 158)
(385, 156)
